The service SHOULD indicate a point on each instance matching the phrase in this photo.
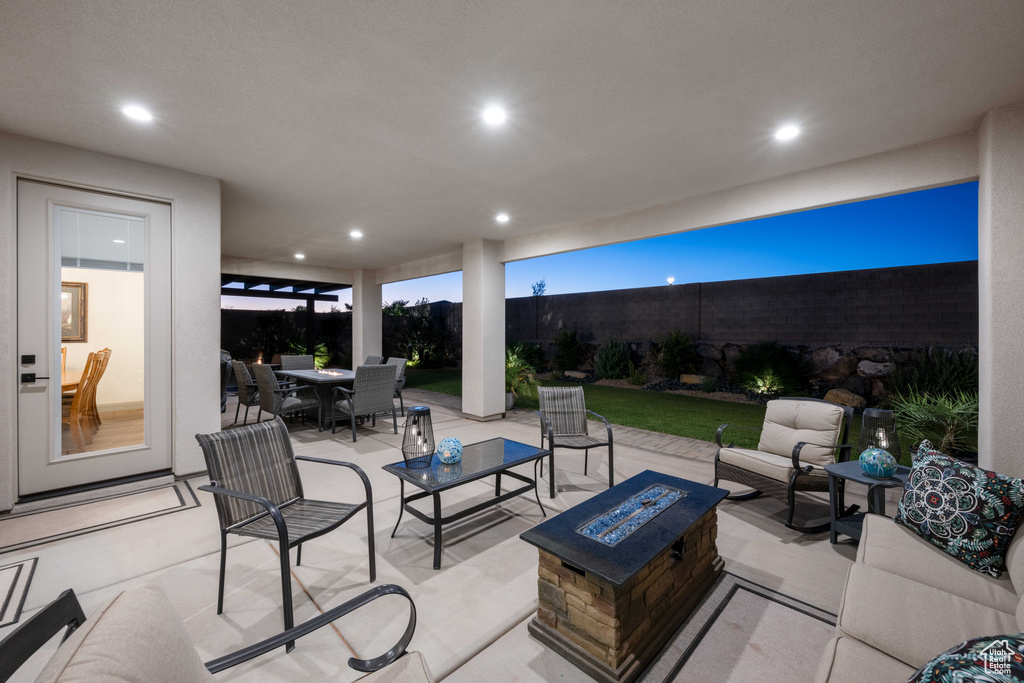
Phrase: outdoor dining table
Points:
(323, 383)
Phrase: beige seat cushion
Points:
(886, 545)
(911, 621)
(788, 422)
(410, 668)
(134, 637)
(766, 464)
(847, 660)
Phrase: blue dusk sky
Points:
(929, 226)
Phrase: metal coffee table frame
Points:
(437, 520)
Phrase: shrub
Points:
(636, 377)
(569, 350)
(936, 372)
(612, 359)
(949, 421)
(531, 353)
(770, 368)
(518, 375)
(677, 354)
(708, 384)
(320, 354)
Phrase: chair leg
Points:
(223, 566)
(371, 547)
(611, 464)
(352, 417)
(237, 408)
(394, 419)
(586, 458)
(246, 418)
(401, 402)
(551, 473)
(286, 594)
(298, 557)
(259, 415)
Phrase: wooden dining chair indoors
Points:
(72, 407)
(92, 413)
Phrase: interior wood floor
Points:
(120, 428)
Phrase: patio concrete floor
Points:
(472, 614)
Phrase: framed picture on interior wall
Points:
(74, 312)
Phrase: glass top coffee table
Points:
(479, 460)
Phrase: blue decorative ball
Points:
(878, 463)
(449, 450)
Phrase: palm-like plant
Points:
(949, 421)
(519, 379)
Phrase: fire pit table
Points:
(620, 572)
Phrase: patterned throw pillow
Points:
(995, 659)
(968, 512)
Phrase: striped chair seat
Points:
(581, 441)
(303, 518)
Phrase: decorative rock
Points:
(874, 354)
(844, 367)
(711, 368)
(857, 385)
(844, 397)
(690, 379)
(575, 374)
(878, 389)
(868, 368)
(731, 353)
(821, 359)
(708, 351)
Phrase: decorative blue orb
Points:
(449, 450)
(878, 463)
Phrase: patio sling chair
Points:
(372, 392)
(563, 422)
(248, 395)
(137, 636)
(399, 364)
(256, 485)
(278, 400)
(799, 437)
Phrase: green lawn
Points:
(696, 418)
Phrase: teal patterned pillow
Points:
(968, 512)
(992, 659)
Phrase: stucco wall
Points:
(195, 216)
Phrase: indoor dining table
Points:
(69, 381)
(323, 383)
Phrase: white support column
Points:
(483, 330)
(366, 316)
(1001, 289)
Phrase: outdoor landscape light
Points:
(355, 234)
(137, 113)
(502, 218)
(787, 132)
(494, 116)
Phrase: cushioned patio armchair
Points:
(563, 423)
(798, 438)
(258, 492)
(137, 636)
(280, 400)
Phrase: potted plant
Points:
(519, 379)
(948, 421)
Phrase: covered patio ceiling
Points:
(324, 117)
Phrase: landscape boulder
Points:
(708, 351)
(845, 397)
(711, 368)
(871, 369)
(731, 353)
(691, 379)
(844, 367)
(575, 374)
(821, 359)
(875, 354)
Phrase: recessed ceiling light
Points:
(494, 116)
(355, 234)
(137, 113)
(300, 256)
(787, 132)
(502, 218)
(118, 241)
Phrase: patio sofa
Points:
(906, 602)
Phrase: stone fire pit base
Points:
(613, 633)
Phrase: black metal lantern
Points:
(878, 430)
(418, 442)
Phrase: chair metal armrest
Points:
(285, 393)
(355, 468)
(365, 665)
(349, 393)
(544, 421)
(845, 451)
(272, 509)
(718, 433)
(796, 454)
(607, 425)
(20, 644)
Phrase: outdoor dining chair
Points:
(372, 392)
(563, 422)
(373, 360)
(277, 400)
(248, 395)
(399, 365)
(258, 492)
(298, 363)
